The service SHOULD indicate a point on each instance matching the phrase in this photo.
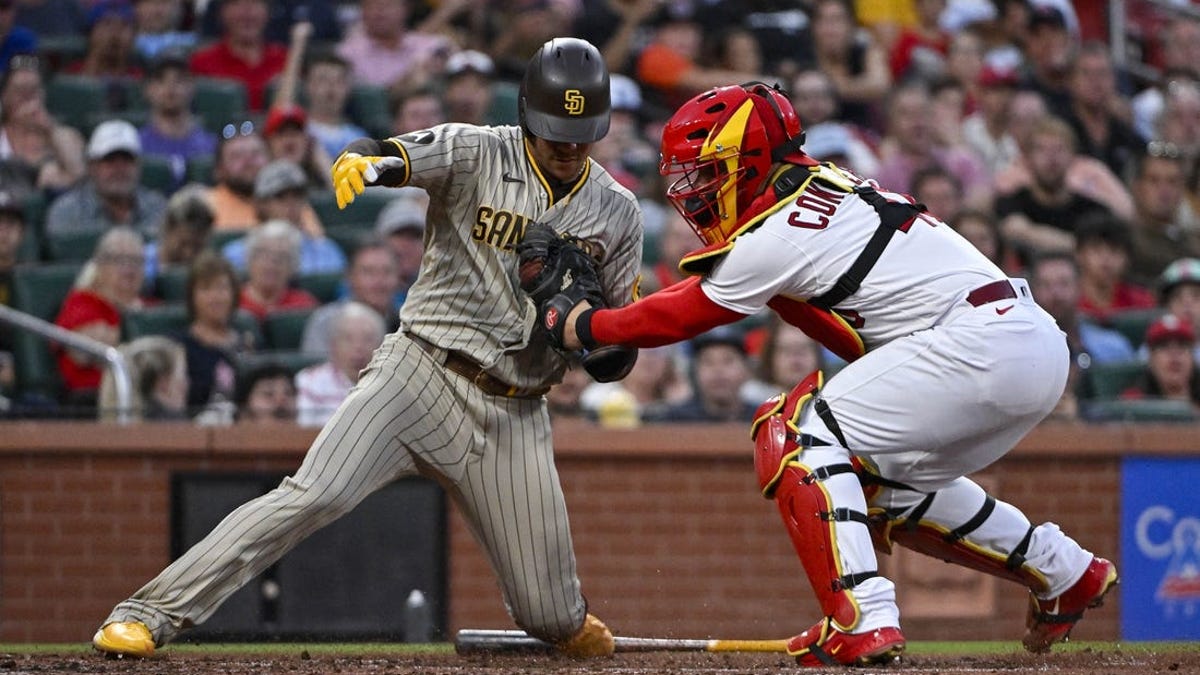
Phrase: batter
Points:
(457, 393)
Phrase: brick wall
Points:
(671, 535)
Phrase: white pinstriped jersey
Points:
(484, 189)
(920, 276)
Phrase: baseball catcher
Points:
(950, 364)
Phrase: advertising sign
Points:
(1160, 549)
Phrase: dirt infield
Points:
(1092, 661)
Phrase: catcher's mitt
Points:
(551, 264)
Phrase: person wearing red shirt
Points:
(1103, 246)
(243, 53)
(1170, 365)
(272, 258)
(920, 50)
(108, 285)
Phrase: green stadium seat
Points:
(348, 237)
(35, 212)
(1108, 380)
(200, 170)
(504, 103)
(171, 284)
(70, 246)
(218, 239)
(293, 360)
(219, 102)
(30, 250)
(158, 174)
(283, 330)
(1142, 410)
(361, 214)
(72, 99)
(1132, 323)
(369, 108)
(39, 290)
(57, 51)
(154, 320)
(248, 325)
(650, 248)
(135, 117)
(325, 285)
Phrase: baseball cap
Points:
(405, 212)
(279, 176)
(285, 114)
(120, 9)
(721, 335)
(469, 61)
(1046, 15)
(114, 136)
(994, 76)
(1182, 271)
(1169, 328)
(166, 62)
(11, 204)
(825, 140)
(624, 93)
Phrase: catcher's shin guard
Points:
(774, 431)
(821, 502)
(993, 539)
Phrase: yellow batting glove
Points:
(352, 172)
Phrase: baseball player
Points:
(951, 364)
(457, 392)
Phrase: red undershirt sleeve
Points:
(674, 314)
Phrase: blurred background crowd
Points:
(164, 181)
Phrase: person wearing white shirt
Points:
(321, 388)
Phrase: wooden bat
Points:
(285, 95)
(474, 640)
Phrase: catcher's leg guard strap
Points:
(824, 511)
(995, 539)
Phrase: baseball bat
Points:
(471, 640)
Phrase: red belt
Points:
(997, 290)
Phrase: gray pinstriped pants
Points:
(406, 415)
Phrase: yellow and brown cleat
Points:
(129, 638)
(593, 639)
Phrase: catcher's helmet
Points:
(721, 145)
(565, 93)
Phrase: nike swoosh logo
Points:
(510, 179)
(1004, 310)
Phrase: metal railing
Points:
(1118, 33)
(83, 343)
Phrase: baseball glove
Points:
(551, 264)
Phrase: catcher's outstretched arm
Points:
(674, 314)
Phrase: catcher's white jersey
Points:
(802, 249)
(950, 381)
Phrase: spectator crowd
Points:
(164, 182)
